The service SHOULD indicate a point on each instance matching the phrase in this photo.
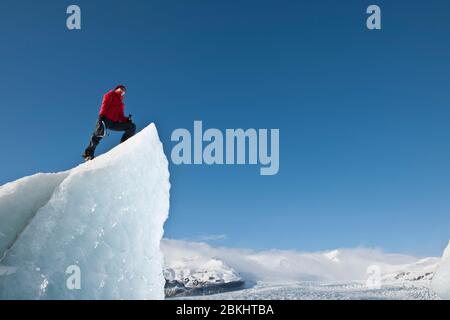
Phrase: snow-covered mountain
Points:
(212, 277)
(421, 270)
(102, 220)
(186, 261)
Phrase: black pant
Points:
(99, 132)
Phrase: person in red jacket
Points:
(111, 117)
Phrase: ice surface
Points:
(322, 291)
(15, 213)
(105, 217)
(441, 280)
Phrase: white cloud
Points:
(211, 237)
(284, 265)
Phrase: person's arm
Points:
(105, 103)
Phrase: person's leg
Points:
(129, 132)
(128, 127)
(96, 137)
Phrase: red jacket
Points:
(113, 107)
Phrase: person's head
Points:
(120, 89)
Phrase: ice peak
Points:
(103, 218)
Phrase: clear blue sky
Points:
(364, 116)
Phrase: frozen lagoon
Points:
(318, 291)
